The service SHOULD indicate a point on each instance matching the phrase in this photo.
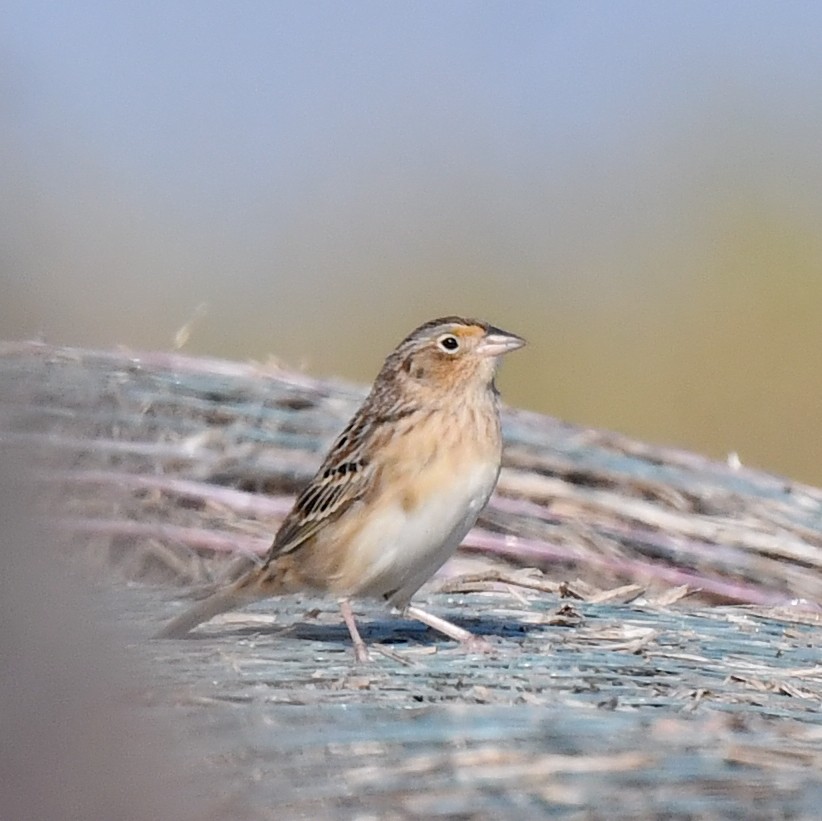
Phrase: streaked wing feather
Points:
(343, 478)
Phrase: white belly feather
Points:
(400, 550)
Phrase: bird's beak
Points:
(497, 342)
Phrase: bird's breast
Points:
(432, 476)
(411, 529)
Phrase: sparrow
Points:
(399, 489)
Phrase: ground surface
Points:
(582, 710)
(662, 660)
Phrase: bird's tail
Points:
(243, 591)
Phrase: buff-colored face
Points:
(454, 352)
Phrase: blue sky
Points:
(192, 99)
(622, 182)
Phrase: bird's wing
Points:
(343, 478)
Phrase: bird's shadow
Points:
(399, 630)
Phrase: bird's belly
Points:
(402, 546)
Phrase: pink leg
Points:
(472, 643)
(360, 650)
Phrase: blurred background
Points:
(636, 187)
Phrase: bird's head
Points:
(450, 354)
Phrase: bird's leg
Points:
(472, 643)
(360, 649)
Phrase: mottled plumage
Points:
(400, 487)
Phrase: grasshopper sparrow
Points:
(400, 487)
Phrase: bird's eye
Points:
(449, 343)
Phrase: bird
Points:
(399, 489)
